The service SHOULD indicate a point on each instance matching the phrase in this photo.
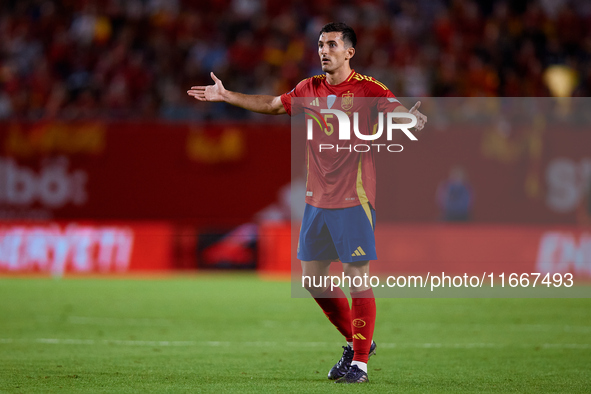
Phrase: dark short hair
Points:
(349, 37)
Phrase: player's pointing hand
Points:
(421, 119)
(208, 93)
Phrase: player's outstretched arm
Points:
(421, 119)
(263, 104)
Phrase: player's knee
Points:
(314, 284)
(358, 289)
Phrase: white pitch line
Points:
(113, 321)
(217, 343)
(511, 327)
(149, 343)
(442, 345)
(567, 345)
(55, 341)
(69, 341)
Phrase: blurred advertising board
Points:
(59, 248)
(196, 173)
(475, 249)
(451, 248)
(227, 249)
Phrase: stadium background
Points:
(96, 128)
(108, 168)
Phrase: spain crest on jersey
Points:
(347, 101)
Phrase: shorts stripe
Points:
(365, 206)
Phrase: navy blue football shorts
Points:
(345, 234)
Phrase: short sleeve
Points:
(295, 92)
(386, 102)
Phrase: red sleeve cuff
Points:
(286, 101)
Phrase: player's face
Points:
(332, 51)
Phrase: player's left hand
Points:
(421, 119)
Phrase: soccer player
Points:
(339, 218)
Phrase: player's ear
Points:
(350, 52)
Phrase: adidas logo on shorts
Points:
(358, 252)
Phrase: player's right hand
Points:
(208, 93)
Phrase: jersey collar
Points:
(342, 83)
(350, 76)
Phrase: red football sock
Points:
(363, 312)
(335, 305)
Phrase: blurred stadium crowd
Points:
(128, 59)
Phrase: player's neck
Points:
(338, 76)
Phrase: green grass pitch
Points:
(217, 333)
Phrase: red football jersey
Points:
(341, 177)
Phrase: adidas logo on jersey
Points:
(358, 252)
(315, 102)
